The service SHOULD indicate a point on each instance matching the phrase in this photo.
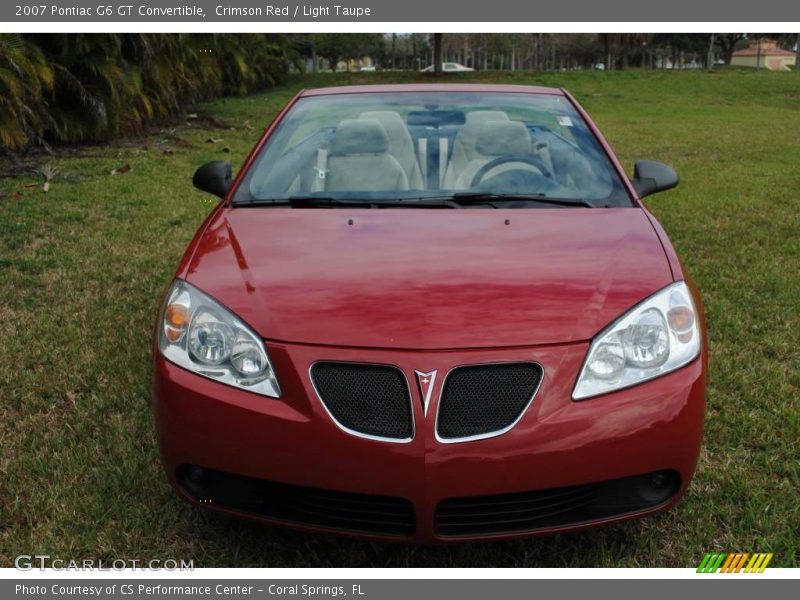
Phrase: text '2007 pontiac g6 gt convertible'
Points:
(431, 313)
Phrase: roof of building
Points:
(766, 50)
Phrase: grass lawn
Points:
(81, 268)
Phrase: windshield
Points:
(409, 145)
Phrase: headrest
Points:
(480, 116)
(394, 125)
(359, 136)
(498, 138)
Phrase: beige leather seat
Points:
(401, 146)
(464, 143)
(359, 159)
(492, 140)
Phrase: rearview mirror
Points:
(214, 177)
(650, 177)
(436, 118)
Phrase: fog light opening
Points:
(659, 480)
(657, 487)
(193, 479)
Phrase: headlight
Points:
(653, 338)
(199, 334)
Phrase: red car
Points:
(431, 313)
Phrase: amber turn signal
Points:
(176, 319)
(681, 321)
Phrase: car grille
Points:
(543, 509)
(371, 400)
(485, 400)
(331, 509)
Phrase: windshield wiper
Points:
(488, 197)
(444, 201)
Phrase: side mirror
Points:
(650, 177)
(214, 177)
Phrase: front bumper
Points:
(557, 443)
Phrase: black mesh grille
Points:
(369, 399)
(483, 399)
(543, 509)
(299, 504)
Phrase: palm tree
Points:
(71, 87)
(25, 79)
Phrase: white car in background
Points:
(449, 67)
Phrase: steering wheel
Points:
(507, 159)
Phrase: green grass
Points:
(81, 268)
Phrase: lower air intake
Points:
(557, 507)
(330, 509)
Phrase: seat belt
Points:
(423, 160)
(320, 170)
(442, 160)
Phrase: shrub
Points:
(74, 87)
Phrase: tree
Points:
(437, 52)
(608, 40)
(77, 87)
(710, 59)
(329, 47)
(335, 47)
(727, 44)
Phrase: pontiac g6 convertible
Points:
(431, 313)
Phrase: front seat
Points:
(401, 146)
(464, 143)
(492, 140)
(360, 161)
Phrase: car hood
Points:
(429, 279)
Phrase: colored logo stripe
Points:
(711, 563)
(734, 562)
(758, 563)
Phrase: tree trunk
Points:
(710, 59)
(727, 46)
(797, 55)
(394, 51)
(437, 52)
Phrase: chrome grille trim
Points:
(360, 434)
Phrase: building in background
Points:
(765, 54)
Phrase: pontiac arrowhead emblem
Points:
(425, 382)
